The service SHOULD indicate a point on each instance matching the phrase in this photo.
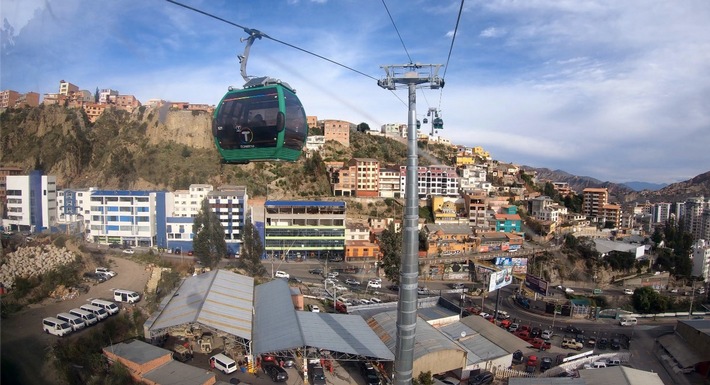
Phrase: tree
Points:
(391, 243)
(424, 378)
(252, 250)
(209, 244)
(363, 127)
(646, 300)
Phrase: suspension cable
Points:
(395, 28)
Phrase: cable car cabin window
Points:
(248, 120)
(296, 126)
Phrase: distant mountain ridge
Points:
(622, 193)
(640, 186)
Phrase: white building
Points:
(31, 202)
(660, 212)
(701, 259)
(124, 217)
(433, 180)
(315, 142)
(187, 203)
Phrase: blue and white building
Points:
(129, 218)
(31, 202)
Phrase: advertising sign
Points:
(519, 265)
(536, 284)
(500, 278)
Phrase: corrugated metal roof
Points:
(275, 324)
(342, 333)
(427, 339)
(480, 348)
(681, 352)
(137, 351)
(177, 373)
(305, 203)
(278, 326)
(219, 299)
(619, 375)
(506, 341)
(545, 381)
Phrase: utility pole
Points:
(410, 75)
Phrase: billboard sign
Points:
(500, 278)
(519, 265)
(536, 284)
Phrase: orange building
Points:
(94, 111)
(361, 251)
(337, 130)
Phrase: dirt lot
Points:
(23, 345)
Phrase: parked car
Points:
(573, 330)
(539, 343)
(374, 284)
(591, 342)
(630, 292)
(282, 274)
(535, 332)
(615, 344)
(523, 335)
(514, 327)
(333, 274)
(571, 343)
(483, 378)
(95, 277)
(545, 363)
(603, 343)
(128, 251)
(314, 308)
(532, 360)
(316, 271)
(505, 323)
(105, 270)
(393, 287)
(369, 373)
(375, 300)
(518, 357)
(295, 280)
(530, 369)
(352, 282)
(546, 334)
(457, 285)
(277, 373)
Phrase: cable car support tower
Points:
(410, 75)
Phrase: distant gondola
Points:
(264, 121)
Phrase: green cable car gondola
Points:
(264, 121)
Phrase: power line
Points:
(395, 28)
(451, 48)
(252, 31)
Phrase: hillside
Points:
(699, 185)
(160, 149)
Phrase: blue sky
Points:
(615, 90)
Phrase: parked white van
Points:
(127, 296)
(109, 306)
(55, 326)
(100, 313)
(224, 363)
(627, 321)
(75, 322)
(88, 317)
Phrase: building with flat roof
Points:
(304, 229)
(31, 201)
(129, 218)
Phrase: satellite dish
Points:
(463, 334)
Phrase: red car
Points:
(523, 335)
(532, 361)
(539, 343)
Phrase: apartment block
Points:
(367, 176)
(337, 130)
(74, 207)
(128, 218)
(230, 203)
(4, 173)
(31, 202)
(593, 199)
(389, 182)
(93, 110)
(543, 208)
(432, 180)
(660, 212)
(508, 221)
(312, 121)
(701, 259)
(66, 88)
(315, 142)
(475, 204)
(304, 229)
(187, 203)
(696, 217)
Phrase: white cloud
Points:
(492, 32)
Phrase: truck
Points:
(571, 343)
